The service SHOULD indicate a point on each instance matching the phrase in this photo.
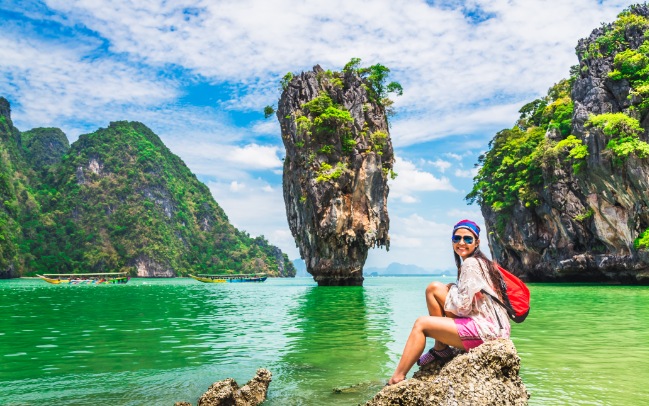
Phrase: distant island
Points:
(394, 269)
(116, 200)
(397, 269)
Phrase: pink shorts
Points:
(468, 332)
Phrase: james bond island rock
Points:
(565, 192)
(228, 393)
(486, 375)
(338, 161)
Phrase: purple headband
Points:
(469, 225)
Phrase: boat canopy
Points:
(85, 274)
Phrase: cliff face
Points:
(130, 204)
(338, 159)
(16, 197)
(116, 200)
(585, 215)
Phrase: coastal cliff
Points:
(338, 160)
(115, 200)
(18, 203)
(564, 193)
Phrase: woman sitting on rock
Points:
(460, 315)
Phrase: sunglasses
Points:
(467, 239)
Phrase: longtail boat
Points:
(206, 278)
(85, 278)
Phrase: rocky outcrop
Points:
(149, 268)
(5, 110)
(486, 375)
(228, 393)
(338, 159)
(584, 225)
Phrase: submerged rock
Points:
(228, 393)
(486, 375)
(338, 160)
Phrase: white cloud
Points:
(454, 156)
(268, 126)
(254, 156)
(416, 240)
(236, 186)
(466, 173)
(227, 162)
(411, 181)
(474, 215)
(459, 77)
(254, 206)
(52, 82)
(441, 165)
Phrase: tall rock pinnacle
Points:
(338, 160)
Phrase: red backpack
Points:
(517, 301)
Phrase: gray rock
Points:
(228, 393)
(335, 220)
(585, 225)
(486, 375)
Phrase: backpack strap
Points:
(505, 305)
(510, 311)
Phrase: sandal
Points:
(433, 354)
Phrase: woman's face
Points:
(462, 247)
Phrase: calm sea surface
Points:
(155, 342)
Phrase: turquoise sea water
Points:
(155, 342)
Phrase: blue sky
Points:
(199, 73)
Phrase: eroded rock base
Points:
(228, 393)
(486, 375)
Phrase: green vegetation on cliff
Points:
(643, 240)
(121, 200)
(512, 170)
(524, 160)
(624, 132)
(117, 200)
(44, 147)
(19, 208)
(325, 129)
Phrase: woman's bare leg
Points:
(440, 328)
(435, 298)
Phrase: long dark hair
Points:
(493, 272)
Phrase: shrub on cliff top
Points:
(614, 37)
(376, 75)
